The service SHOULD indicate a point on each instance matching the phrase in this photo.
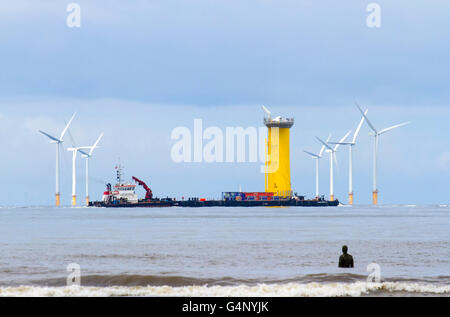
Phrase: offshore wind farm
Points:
(278, 188)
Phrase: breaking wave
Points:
(132, 280)
(262, 290)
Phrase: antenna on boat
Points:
(119, 172)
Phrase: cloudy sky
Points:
(135, 70)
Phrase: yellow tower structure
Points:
(278, 166)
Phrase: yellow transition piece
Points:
(278, 166)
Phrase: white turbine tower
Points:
(317, 157)
(87, 156)
(350, 160)
(74, 151)
(376, 135)
(58, 142)
(333, 160)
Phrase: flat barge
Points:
(123, 195)
(217, 203)
(295, 201)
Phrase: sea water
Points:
(225, 251)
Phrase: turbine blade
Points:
(71, 139)
(312, 154)
(67, 127)
(83, 152)
(345, 136)
(323, 147)
(50, 137)
(321, 151)
(335, 161)
(325, 144)
(342, 140)
(367, 119)
(359, 128)
(95, 144)
(266, 111)
(392, 128)
(341, 143)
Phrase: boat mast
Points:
(119, 173)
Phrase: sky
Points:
(136, 70)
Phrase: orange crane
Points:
(149, 193)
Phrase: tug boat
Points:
(124, 195)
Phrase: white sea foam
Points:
(263, 290)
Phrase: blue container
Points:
(233, 196)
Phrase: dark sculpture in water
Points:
(345, 260)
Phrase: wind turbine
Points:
(376, 135)
(74, 151)
(333, 160)
(87, 156)
(58, 142)
(350, 160)
(317, 157)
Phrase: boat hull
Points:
(219, 203)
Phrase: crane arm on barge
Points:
(149, 193)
